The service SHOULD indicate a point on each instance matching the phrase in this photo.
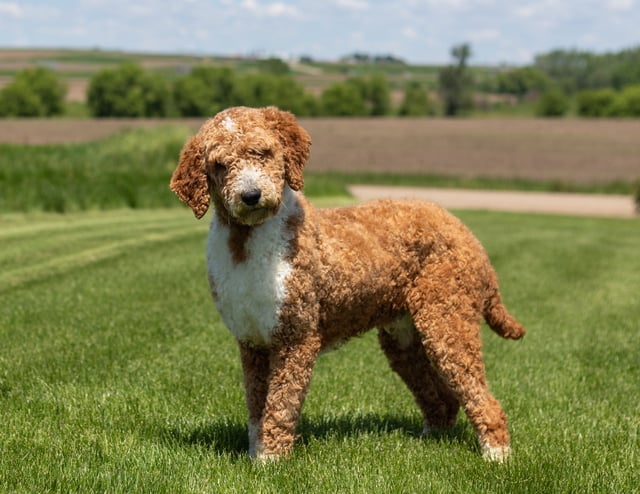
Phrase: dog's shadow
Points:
(229, 437)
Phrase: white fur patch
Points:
(251, 177)
(498, 454)
(229, 124)
(251, 293)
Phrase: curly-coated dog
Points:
(290, 281)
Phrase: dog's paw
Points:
(498, 454)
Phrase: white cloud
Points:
(11, 9)
(352, 4)
(622, 5)
(280, 9)
(276, 9)
(484, 35)
(409, 32)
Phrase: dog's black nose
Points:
(251, 197)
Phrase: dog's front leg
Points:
(255, 367)
(291, 363)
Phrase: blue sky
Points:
(419, 31)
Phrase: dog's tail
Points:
(499, 319)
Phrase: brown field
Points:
(578, 151)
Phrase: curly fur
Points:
(290, 281)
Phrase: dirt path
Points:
(530, 202)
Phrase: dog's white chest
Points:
(249, 294)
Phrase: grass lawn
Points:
(116, 374)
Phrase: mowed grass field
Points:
(116, 374)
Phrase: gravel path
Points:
(530, 202)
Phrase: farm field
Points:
(116, 374)
(564, 151)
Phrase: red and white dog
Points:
(290, 281)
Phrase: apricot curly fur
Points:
(290, 281)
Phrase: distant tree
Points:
(553, 103)
(378, 96)
(127, 91)
(283, 91)
(416, 102)
(33, 92)
(19, 100)
(275, 66)
(456, 83)
(342, 100)
(577, 70)
(596, 102)
(205, 91)
(631, 101)
(375, 93)
(522, 81)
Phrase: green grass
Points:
(116, 374)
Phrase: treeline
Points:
(130, 91)
(598, 85)
(558, 83)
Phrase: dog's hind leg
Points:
(451, 337)
(407, 357)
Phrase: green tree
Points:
(205, 91)
(274, 66)
(416, 102)
(379, 96)
(282, 91)
(343, 100)
(596, 102)
(522, 81)
(33, 92)
(456, 83)
(127, 91)
(553, 103)
(631, 100)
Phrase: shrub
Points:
(416, 102)
(33, 92)
(636, 195)
(282, 91)
(553, 103)
(205, 91)
(127, 91)
(343, 100)
(631, 101)
(597, 102)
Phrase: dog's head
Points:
(241, 159)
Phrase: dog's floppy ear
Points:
(189, 179)
(296, 142)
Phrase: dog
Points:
(290, 281)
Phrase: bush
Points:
(205, 91)
(636, 195)
(631, 101)
(33, 92)
(357, 97)
(343, 100)
(597, 103)
(416, 102)
(282, 91)
(127, 91)
(553, 103)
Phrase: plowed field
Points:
(579, 151)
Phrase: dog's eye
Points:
(261, 153)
